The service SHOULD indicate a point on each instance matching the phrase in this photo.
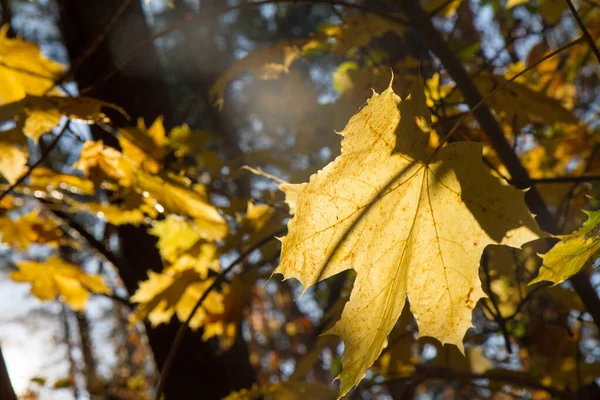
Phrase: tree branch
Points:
(586, 33)
(423, 373)
(421, 23)
(558, 179)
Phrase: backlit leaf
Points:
(23, 69)
(39, 114)
(571, 254)
(409, 226)
(13, 155)
(178, 199)
(58, 277)
(99, 162)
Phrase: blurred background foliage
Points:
(134, 212)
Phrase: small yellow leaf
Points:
(570, 255)
(37, 115)
(23, 69)
(178, 199)
(163, 295)
(13, 155)
(175, 236)
(99, 162)
(520, 105)
(285, 391)
(514, 3)
(30, 228)
(145, 146)
(58, 277)
(46, 179)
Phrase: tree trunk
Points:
(140, 89)
(6, 390)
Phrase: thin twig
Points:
(500, 320)
(164, 373)
(584, 30)
(43, 157)
(558, 179)
(424, 373)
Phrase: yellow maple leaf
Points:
(30, 228)
(571, 254)
(144, 145)
(99, 162)
(23, 69)
(175, 236)
(285, 391)
(175, 292)
(58, 277)
(13, 154)
(177, 199)
(357, 30)
(47, 179)
(37, 115)
(520, 105)
(236, 298)
(409, 225)
(131, 210)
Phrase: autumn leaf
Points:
(23, 69)
(175, 292)
(236, 298)
(285, 391)
(144, 145)
(409, 225)
(30, 228)
(132, 209)
(177, 199)
(99, 162)
(13, 155)
(46, 179)
(58, 277)
(37, 115)
(183, 140)
(521, 105)
(175, 236)
(572, 253)
(357, 30)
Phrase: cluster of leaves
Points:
(411, 214)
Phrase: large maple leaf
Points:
(411, 223)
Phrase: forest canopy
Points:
(302, 199)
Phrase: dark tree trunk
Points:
(138, 86)
(6, 390)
